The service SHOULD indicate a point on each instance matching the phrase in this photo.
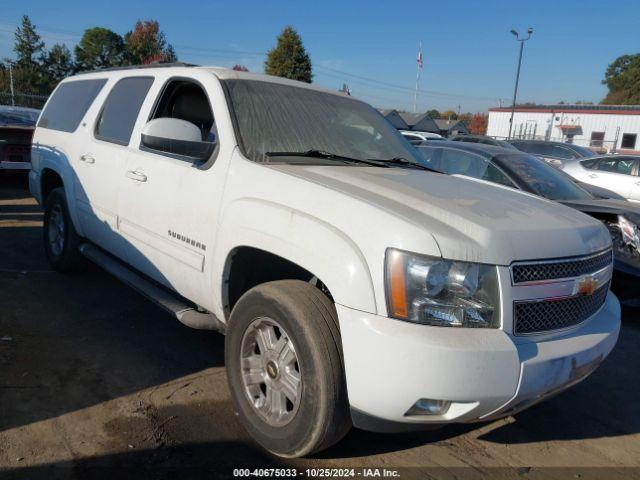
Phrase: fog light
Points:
(426, 406)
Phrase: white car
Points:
(354, 285)
(416, 136)
(617, 173)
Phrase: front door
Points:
(169, 203)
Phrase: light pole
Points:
(515, 90)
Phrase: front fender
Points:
(303, 239)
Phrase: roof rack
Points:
(135, 67)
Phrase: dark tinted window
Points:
(69, 103)
(616, 165)
(628, 140)
(582, 151)
(121, 108)
(562, 152)
(458, 162)
(542, 178)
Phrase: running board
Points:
(172, 303)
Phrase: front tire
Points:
(285, 369)
(61, 240)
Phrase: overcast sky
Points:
(469, 55)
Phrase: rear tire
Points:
(300, 323)
(61, 241)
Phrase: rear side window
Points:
(69, 103)
(121, 109)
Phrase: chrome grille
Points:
(554, 314)
(553, 270)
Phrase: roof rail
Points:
(135, 67)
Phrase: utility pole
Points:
(13, 101)
(419, 70)
(515, 90)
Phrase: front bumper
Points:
(485, 373)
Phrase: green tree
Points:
(288, 58)
(100, 48)
(146, 43)
(623, 80)
(433, 113)
(28, 46)
(58, 64)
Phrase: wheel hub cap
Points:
(270, 371)
(56, 230)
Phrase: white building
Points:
(609, 127)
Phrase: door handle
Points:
(137, 176)
(86, 158)
(638, 183)
(593, 175)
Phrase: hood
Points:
(470, 220)
(607, 206)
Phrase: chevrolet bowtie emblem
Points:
(586, 286)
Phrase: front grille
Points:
(545, 315)
(534, 272)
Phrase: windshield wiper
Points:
(328, 156)
(403, 162)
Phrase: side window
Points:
(457, 162)
(69, 104)
(562, 152)
(430, 156)
(590, 164)
(187, 100)
(614, 165)
(121, 109)
(495, 175)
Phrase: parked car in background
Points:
(353, 283)
(530, 174)
(483, 139)
(555, 153)
(618, 173)
(419, 137)
(16, 131)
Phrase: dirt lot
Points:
(96, 381)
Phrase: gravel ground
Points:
(95, 381)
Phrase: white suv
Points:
(354, 286)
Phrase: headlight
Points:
(629, 232)
(433, 291)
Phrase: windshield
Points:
(542, 178)
(272, 117)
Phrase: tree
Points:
(240, 68)
(433, 113)
(29, 47)
(449, 114)
(622, 77)
(478, 124)
(58, 63)
(99, 48)
(288, 58)
(146, 43)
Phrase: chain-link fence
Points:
(22, 99)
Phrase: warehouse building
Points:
(604, 127)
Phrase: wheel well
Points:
(248, 267)
(50, 180)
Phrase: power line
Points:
(208, 52)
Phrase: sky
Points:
(469, 55)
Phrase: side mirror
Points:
(179, 137)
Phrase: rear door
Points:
(101, 162)
(618, 174)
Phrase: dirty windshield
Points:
(275, 118)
